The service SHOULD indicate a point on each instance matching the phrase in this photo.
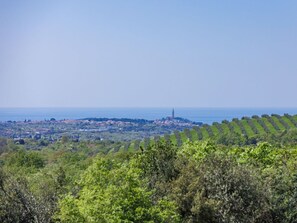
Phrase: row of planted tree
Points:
(253, 127)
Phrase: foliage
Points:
(19, 204)
(26, 159)
(218, 190)
(114, 192)
(230, 177)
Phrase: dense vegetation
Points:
(185, 177)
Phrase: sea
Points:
(205, 115)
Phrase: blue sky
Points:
(148, 53)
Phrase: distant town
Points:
(115, 129)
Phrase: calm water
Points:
(205, 115)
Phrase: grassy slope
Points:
(204, 133)
(258, 126)
(194, 135)
(269, 125)
(247, 127)
(288, 122)
(278, 123)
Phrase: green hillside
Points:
(248, 127)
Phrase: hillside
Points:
(247, 127)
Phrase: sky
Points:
(77, 53)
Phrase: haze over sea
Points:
(205, 115)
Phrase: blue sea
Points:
(205, 115)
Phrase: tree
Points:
(19, 204)
(218, 190)
(3, 145)
(28, 159)
(113, 192)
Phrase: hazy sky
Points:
(148, 53)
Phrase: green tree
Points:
(158, 165)
(113, 192)
(217, 189)
(18, 204)
(27, 159)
